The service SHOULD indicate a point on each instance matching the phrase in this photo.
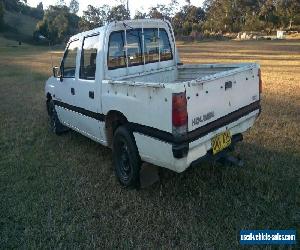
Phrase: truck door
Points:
(87, 90)
(64, 88)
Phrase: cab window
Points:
(69, 61)
(134, 47)
(116, 51)
(151, 42)
(156, 48)
(164, 46)
(88, 57)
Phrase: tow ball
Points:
(230, 160)
(226, 158)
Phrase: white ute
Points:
(123, 86)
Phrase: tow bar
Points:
(223, 157)
(231, 160)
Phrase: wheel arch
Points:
(113, 120)
(48, 96)
(48, 99)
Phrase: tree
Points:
(140, 15)
(74, 6)
(60, 3)
(94, 17)
(1, 16)
(237, 15)
(12, 5)
(40, 6)
(154, 13)
(118, 13)
(162, 11)
(189, 18)
(58, 24)
(267, 14)
(288, 10)
(227, 15)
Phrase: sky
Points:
(133, 4)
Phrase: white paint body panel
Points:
(160, 153)
(143, 94)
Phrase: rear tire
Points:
(126, 158)
(55, 125)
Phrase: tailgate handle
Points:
(228, 85)
(72, 91)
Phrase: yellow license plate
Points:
(221, 141)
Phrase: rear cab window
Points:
(116, 51)
(151, 41)
(135, 47)
(164, 46)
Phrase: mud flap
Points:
(148, 175)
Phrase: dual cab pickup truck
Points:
(123, 86)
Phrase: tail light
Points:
(260, 81)
(179, 113)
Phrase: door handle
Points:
(72, 91)
(228, 85)
(91, 94)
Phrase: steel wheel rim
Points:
(52, 118)
(124, 160)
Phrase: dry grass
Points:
(60, 192)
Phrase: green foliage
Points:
(188, 19)
(289, 11)
(238, 15)
(1, 16)
(40, 6)
(162, 11)
(74, 6)
(21, 6)
(154, 13)
(12, 5)
(21, 24)
(217, 16)
(140, 15)
(58, 24)
(94, 17)
(118, 13)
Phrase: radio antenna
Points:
(50, 50)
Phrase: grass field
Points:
(61, 192)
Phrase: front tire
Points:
(54, 122)
(126, 158)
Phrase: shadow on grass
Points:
(204, 206)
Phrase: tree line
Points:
(22, 7)
(58, 22)
(251, 15)
(19, 6)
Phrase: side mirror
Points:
(56, 71)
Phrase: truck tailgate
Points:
(224, 94)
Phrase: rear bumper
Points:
(180, 147)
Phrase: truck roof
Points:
(136, 22)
